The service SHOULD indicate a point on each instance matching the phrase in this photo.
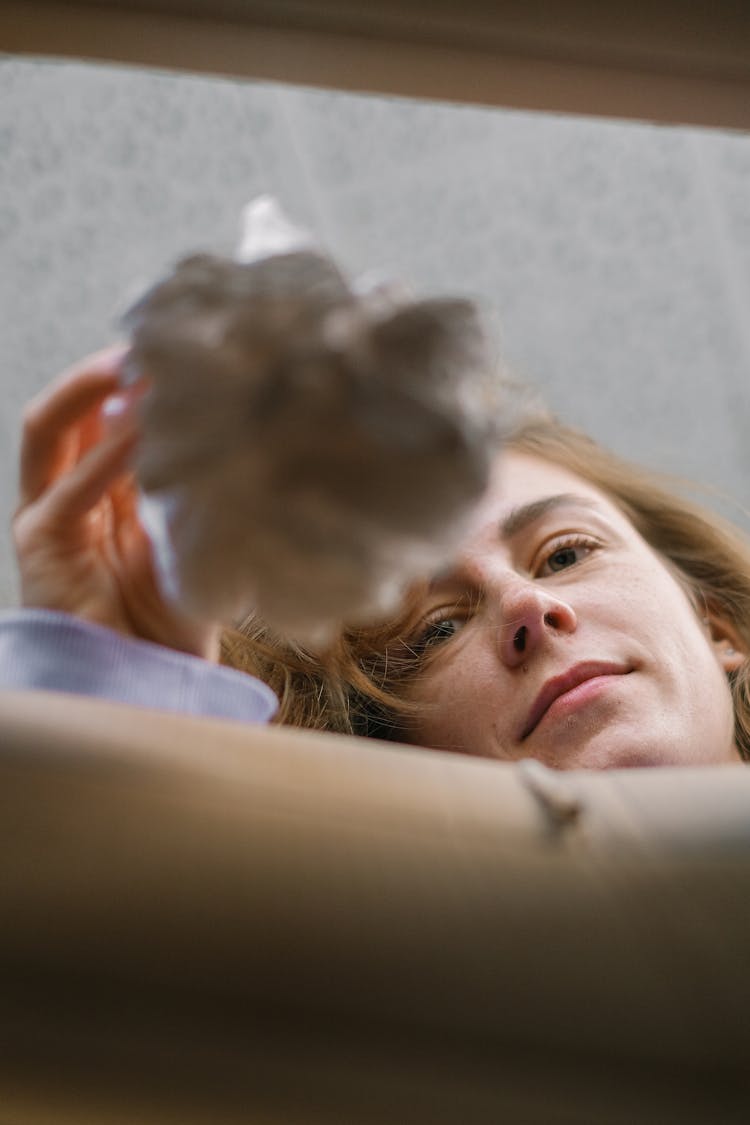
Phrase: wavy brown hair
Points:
(360, 684)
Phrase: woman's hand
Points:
(80, 545)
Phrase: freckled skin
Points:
(525, 610)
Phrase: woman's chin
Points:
(612, 753)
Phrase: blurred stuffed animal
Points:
(308, 446)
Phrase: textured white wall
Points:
(614, 258)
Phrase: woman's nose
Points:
(530, 618)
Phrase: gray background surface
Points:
(613, 259)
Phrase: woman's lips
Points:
(571, 690)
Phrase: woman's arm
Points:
(80, 545)
(94, 620)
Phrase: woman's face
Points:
(561, 635)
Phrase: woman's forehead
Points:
(522, 478)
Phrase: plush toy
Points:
(308, 445)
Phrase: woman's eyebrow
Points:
(515, 522)
(520, 518)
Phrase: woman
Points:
(593, 620)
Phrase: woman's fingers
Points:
(49, 442)
(78, 491)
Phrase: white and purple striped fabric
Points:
(50, 651)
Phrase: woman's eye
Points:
(442, 630)
(566, 555)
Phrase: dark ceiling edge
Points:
(363, 63)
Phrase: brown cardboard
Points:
(663, 61)
(209, 922)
